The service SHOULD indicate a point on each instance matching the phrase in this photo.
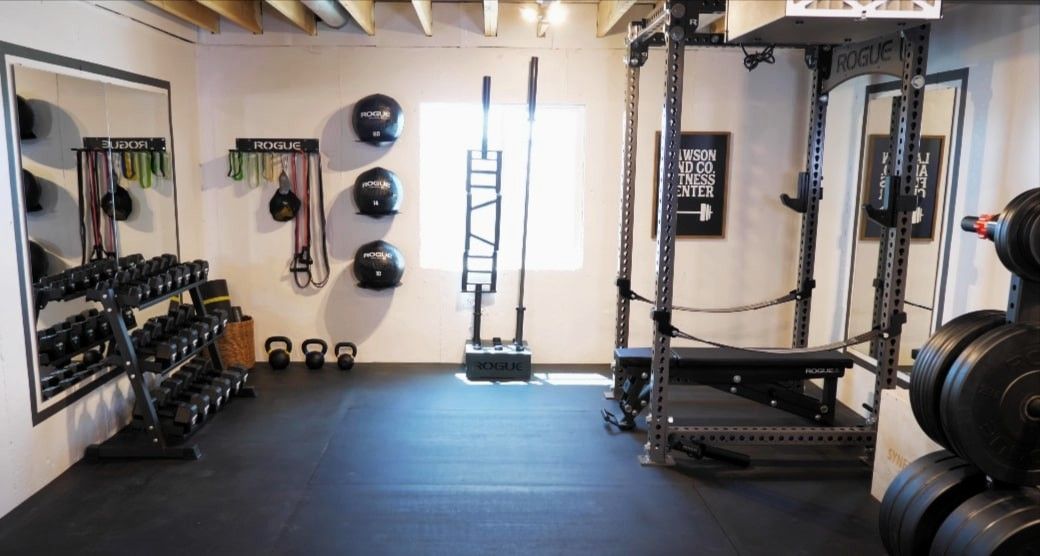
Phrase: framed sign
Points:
(703, 176)
(929, 170)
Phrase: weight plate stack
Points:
(990, 404)
(995, 522)
(934, 361)
(1016, 235)
(920, 499)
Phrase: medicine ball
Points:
(38, 262)
(378, 119)
(26, 120)
(377, 192)
(378, 265)
(31, 189)
(123, 205)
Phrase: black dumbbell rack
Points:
(148, 440)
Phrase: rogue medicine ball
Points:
(377, 192)
(378, 265)
(120, 203)
(31, 189)
(26, 120)
(378, 119)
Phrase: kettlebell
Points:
(314, 359)
(278, 357)
(345, 361)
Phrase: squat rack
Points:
(674, 26)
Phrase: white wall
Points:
(33, 456)
(287, 84)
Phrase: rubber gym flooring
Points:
(413, 460)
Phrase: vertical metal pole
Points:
(532, 93)
(907, 141)
(810, 218)
(628, 187)
(478, 294)
(671, 128)
(893, 125)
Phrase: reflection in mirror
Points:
(86, 199)
(939, 134)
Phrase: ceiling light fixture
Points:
(544, 13)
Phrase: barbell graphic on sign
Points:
(704, 213)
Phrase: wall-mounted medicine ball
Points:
(31, 189)
(377, 192)
(38, 263)
(378, 265)
(122, 204)
(26, 120)
(378, 119)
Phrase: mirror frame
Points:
(959, 78)
(14, 155)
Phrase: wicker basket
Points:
(237, 346)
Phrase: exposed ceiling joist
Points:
(609, 13)
(297, 14)
(363, 12)
(192, 12)
(424, 9)
(244, 13)
(490, 18)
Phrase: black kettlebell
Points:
(345, 361)
(278, 357)
(314, 359)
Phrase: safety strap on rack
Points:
(663, 319)
(625, 290)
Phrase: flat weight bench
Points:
(774, 379)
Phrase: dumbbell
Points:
(704, 212)
(234, 378)
(179, 418)
(49, 392)
(178, 392)
(215, 394)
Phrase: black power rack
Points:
(161, 425)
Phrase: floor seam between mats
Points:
(715, 518)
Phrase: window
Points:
(554, 237)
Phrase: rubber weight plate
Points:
(934, 361)
(990, 404)
(921, 497)
(1015, 233)
(998, 522)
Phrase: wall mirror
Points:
(936, 186)
(91, 151)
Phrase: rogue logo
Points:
(278, 145)
(375, 184)
(503, 366)
(817, 371)
(377, 255)
(125, 144)
(866, 56)
(375, 114)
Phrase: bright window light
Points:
(554, 240)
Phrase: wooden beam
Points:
(297, 14)
(424, 9)
(192, 12)
(490, 18)
(363, 12)
(244, 13)
(609, 13)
